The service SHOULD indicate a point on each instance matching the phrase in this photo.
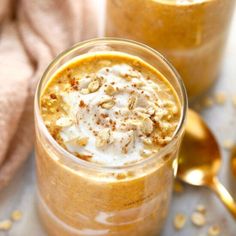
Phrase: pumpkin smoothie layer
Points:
(191, 34)
(110, 109)
(107, 110)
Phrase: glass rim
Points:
(162, 152)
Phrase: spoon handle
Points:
(224, 195)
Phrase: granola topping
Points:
(117, 114)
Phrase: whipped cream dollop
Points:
(117, 116)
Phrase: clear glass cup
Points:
(76, 197)
(191, 34)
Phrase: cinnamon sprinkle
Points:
(82, 104)
(53, 96)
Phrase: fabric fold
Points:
(39, 30)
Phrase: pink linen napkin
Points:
(32, 33)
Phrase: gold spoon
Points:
(200, 159)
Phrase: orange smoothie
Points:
(107, 164)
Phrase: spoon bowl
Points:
(200, 159)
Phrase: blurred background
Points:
(27, 47)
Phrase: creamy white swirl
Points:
(116, 114)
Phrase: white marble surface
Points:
(20, 194)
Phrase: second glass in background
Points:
(191, 34)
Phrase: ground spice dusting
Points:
(82, 104)
(104, 115)
(74, 83)
(53, 96)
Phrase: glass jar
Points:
(77, 197)
(191, 34)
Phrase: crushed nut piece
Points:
(132, 124)
(139, 84)
(179, 221)
(147, 141)
(147, 126)
(214, 230)
(16, 215)
(174, 110)
(82, 141)
(132, 102)
(127, 142)
(94, 86)
(5, 225)
(130, 75)
(198, 219)
(103, 138)
(151, 111)
(84, 91)
(107, 103)
(159, 140)
(143, 115)
(201, 208)
(47, 123)
(64, 122)
(220, 98)
(110, 90)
